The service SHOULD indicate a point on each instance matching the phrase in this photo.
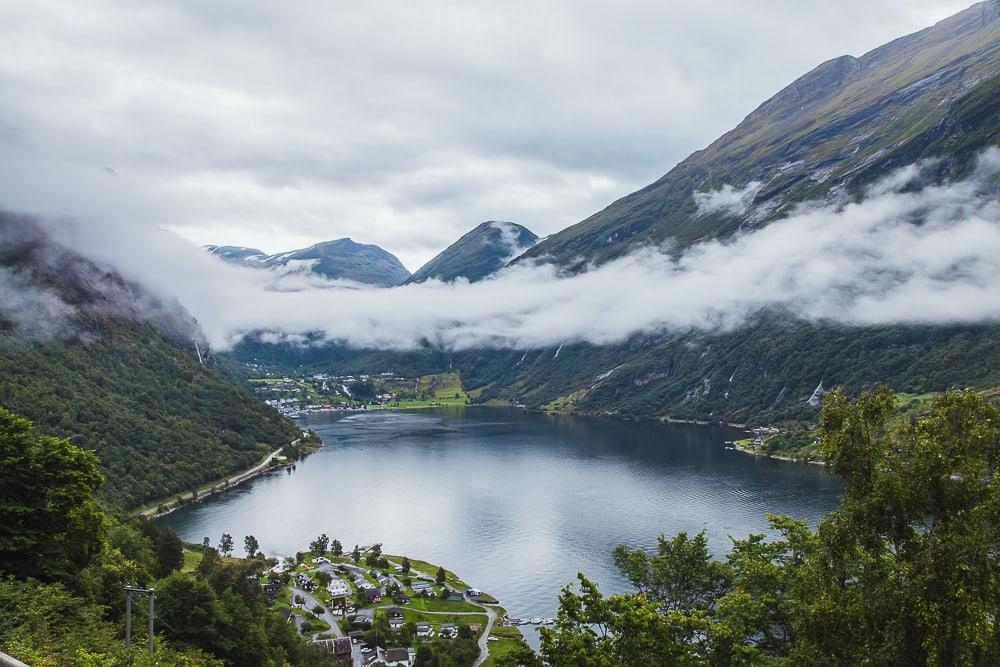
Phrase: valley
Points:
(747, 413)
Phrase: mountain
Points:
(827, 135)
(932, 95)
(478, 254)
(91, 357)
(235, 253)
(342, 259)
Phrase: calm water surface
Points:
(515, 503)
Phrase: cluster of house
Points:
(281, 402)
(371, 592)
(343, 648)
(762, 433)
(422, 588)
(303, 581)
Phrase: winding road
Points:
(491, 615)
(222, 484)
(326, 616)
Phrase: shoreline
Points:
(214, 487)
(776, 457)
(627, 418)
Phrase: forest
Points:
(159, 422)
(64, 562)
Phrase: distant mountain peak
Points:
(481, 252)
(339, 259)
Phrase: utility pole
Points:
(128, 617)
(129, 590)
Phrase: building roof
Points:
(396, 654)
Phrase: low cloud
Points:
(727, 199)
(905, 254)
(37, 312)
(509, 237)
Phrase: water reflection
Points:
(516, 503)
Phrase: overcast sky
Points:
(280, 124)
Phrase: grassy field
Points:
(509, 640)
(437, 619)
(913, 404)
(502, 647)
(442, 389)
(437, 604)
(191, 560)
(450, 577)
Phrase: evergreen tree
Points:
(226, 544)
(250, 545)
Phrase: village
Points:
(373, 609)
(322, 392)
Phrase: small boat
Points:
(536, 620)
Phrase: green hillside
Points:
(160, 422)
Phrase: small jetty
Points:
(536, 620)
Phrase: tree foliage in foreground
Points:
(903, 572)
(50, 524)
(64, 563)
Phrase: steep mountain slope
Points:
(825, 136)
(480, 253)
(90, 357)
(342, 259)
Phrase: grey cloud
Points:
(36, 312)
(907, 254)
(399, 123)
(727, 199)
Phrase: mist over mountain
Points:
(479, 253)
(824, 137)
(828, 239)
(342, 259)
(119, 369)
(50, 290)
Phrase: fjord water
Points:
(515, 503)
